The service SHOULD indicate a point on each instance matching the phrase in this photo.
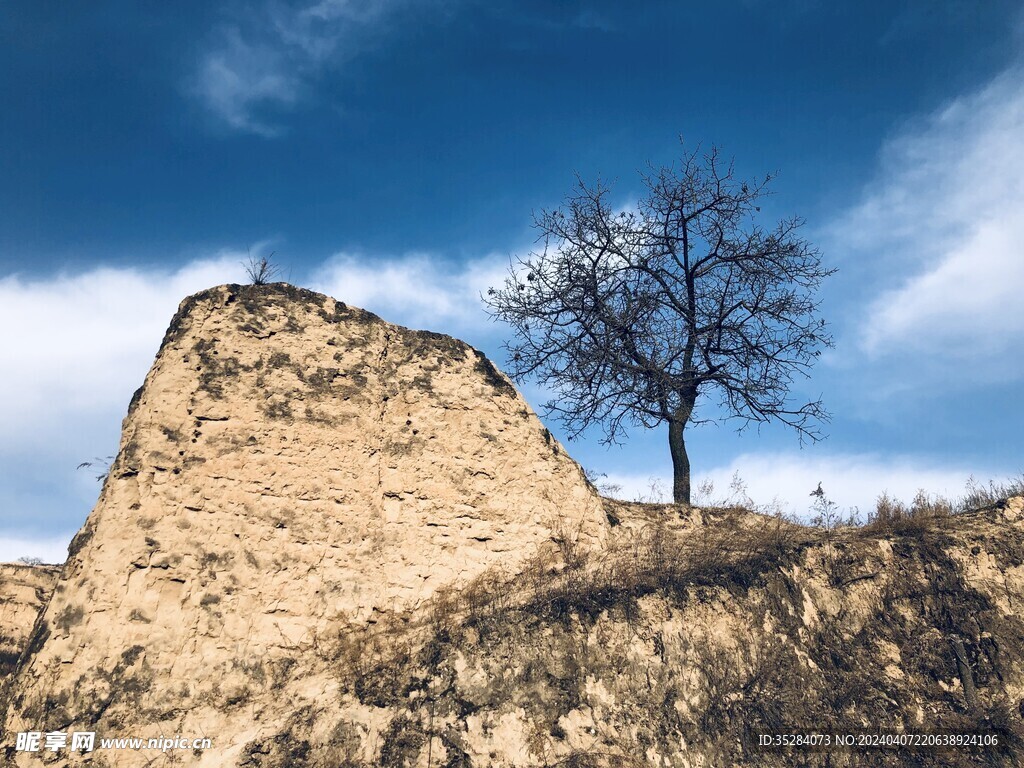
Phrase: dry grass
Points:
(979, 495)
(385, 664)
(925, 511)
(892, 515)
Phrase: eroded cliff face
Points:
(291, 464)
(331, 542)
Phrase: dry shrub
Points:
(376, 663)
(486, 601)
(568, 542)
(735, 550)
(978, 495)
(893, 516)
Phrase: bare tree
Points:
(260, 269)
(633, 317)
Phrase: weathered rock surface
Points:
(329, 542)
(24, 590)
(291, 464)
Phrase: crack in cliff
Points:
(383, 385)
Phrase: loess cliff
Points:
(329, 541)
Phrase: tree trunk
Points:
(680, 462)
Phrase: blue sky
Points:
(391, 153)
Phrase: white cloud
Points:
(944, 224)
(850, 480)
(85, 341)
(237, 76)
(265, 61)
(417, 290)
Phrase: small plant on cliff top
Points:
(826, 511)
(260, 269)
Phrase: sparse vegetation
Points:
(978, 495)
(261, 270)
(895, 516)
(889, 512)
(600, 481)
(928, 509)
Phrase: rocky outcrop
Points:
(290, 465)
(24, 590)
